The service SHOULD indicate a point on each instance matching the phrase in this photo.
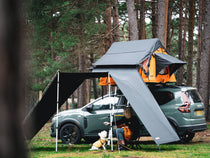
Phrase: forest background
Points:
(71, 35)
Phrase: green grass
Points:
(43, 145)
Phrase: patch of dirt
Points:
(202, 137)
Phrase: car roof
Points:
(164, 87)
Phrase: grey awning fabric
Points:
(163, 60)
(144, 104)
(129, 53)
(46, 107)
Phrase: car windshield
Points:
(193, 95)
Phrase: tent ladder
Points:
(111, 115)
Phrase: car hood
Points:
(67, 112)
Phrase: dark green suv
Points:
(181, 105)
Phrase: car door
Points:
(99, 113)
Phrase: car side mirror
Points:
(89, 108)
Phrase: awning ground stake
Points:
(159, 147)
(58, 78)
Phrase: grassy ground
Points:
(43, 145)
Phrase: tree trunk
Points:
(132, 22)
(82, 90)
(190, 42)
(184, 37)
(154, 19)
(162, 21)
(67, 105)
(72, 101)
(200, 37)
(88, 89)
(116, 37)
(11, 81)
(166, 23)
(169, 26)
(108, 38)
(204, 73)
(142, 32)
(208, 104)
(95, 91)
(181, 53)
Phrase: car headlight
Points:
(55, 117)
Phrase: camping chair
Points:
(134, 143)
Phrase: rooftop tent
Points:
(46, 107)
(154, 63)
(122, 62)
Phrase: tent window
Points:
(164, 71)
(145, 64)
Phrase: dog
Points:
(101, 142)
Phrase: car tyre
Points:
(70, 133)
(186, 137)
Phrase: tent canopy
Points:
(149, 56)
(129, 53)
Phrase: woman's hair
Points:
(128, 112)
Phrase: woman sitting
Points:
(128, 120)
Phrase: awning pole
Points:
(58, 78)
(111, 113)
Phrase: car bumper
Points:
(194, 128)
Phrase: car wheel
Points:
(186, 137)
(70, 133)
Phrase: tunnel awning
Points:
(46, 107)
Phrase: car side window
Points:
(121, 103)
(103, 104)
(163, 97)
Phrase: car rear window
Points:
(193, 95)
(163, 97)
